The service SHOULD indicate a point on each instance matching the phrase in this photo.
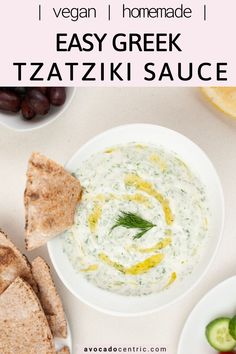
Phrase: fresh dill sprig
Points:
(133, 221)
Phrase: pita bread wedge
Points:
(51, 197)
(13, 264)
(23, 325)
(64, 350)
(49, 298)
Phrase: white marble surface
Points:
(91, 112)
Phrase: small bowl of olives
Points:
(28, 108)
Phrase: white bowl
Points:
(15, 122)
(115, 304)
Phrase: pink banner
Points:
(117, 43)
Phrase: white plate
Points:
(218, 302)
(17, 123)
(190, 153)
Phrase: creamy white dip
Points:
(154, 184)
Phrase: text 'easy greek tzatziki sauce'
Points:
(142, 223)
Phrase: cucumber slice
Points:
(232, 327)
(218, 336)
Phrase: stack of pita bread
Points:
(31, 312)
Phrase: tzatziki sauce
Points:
(140, 182)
